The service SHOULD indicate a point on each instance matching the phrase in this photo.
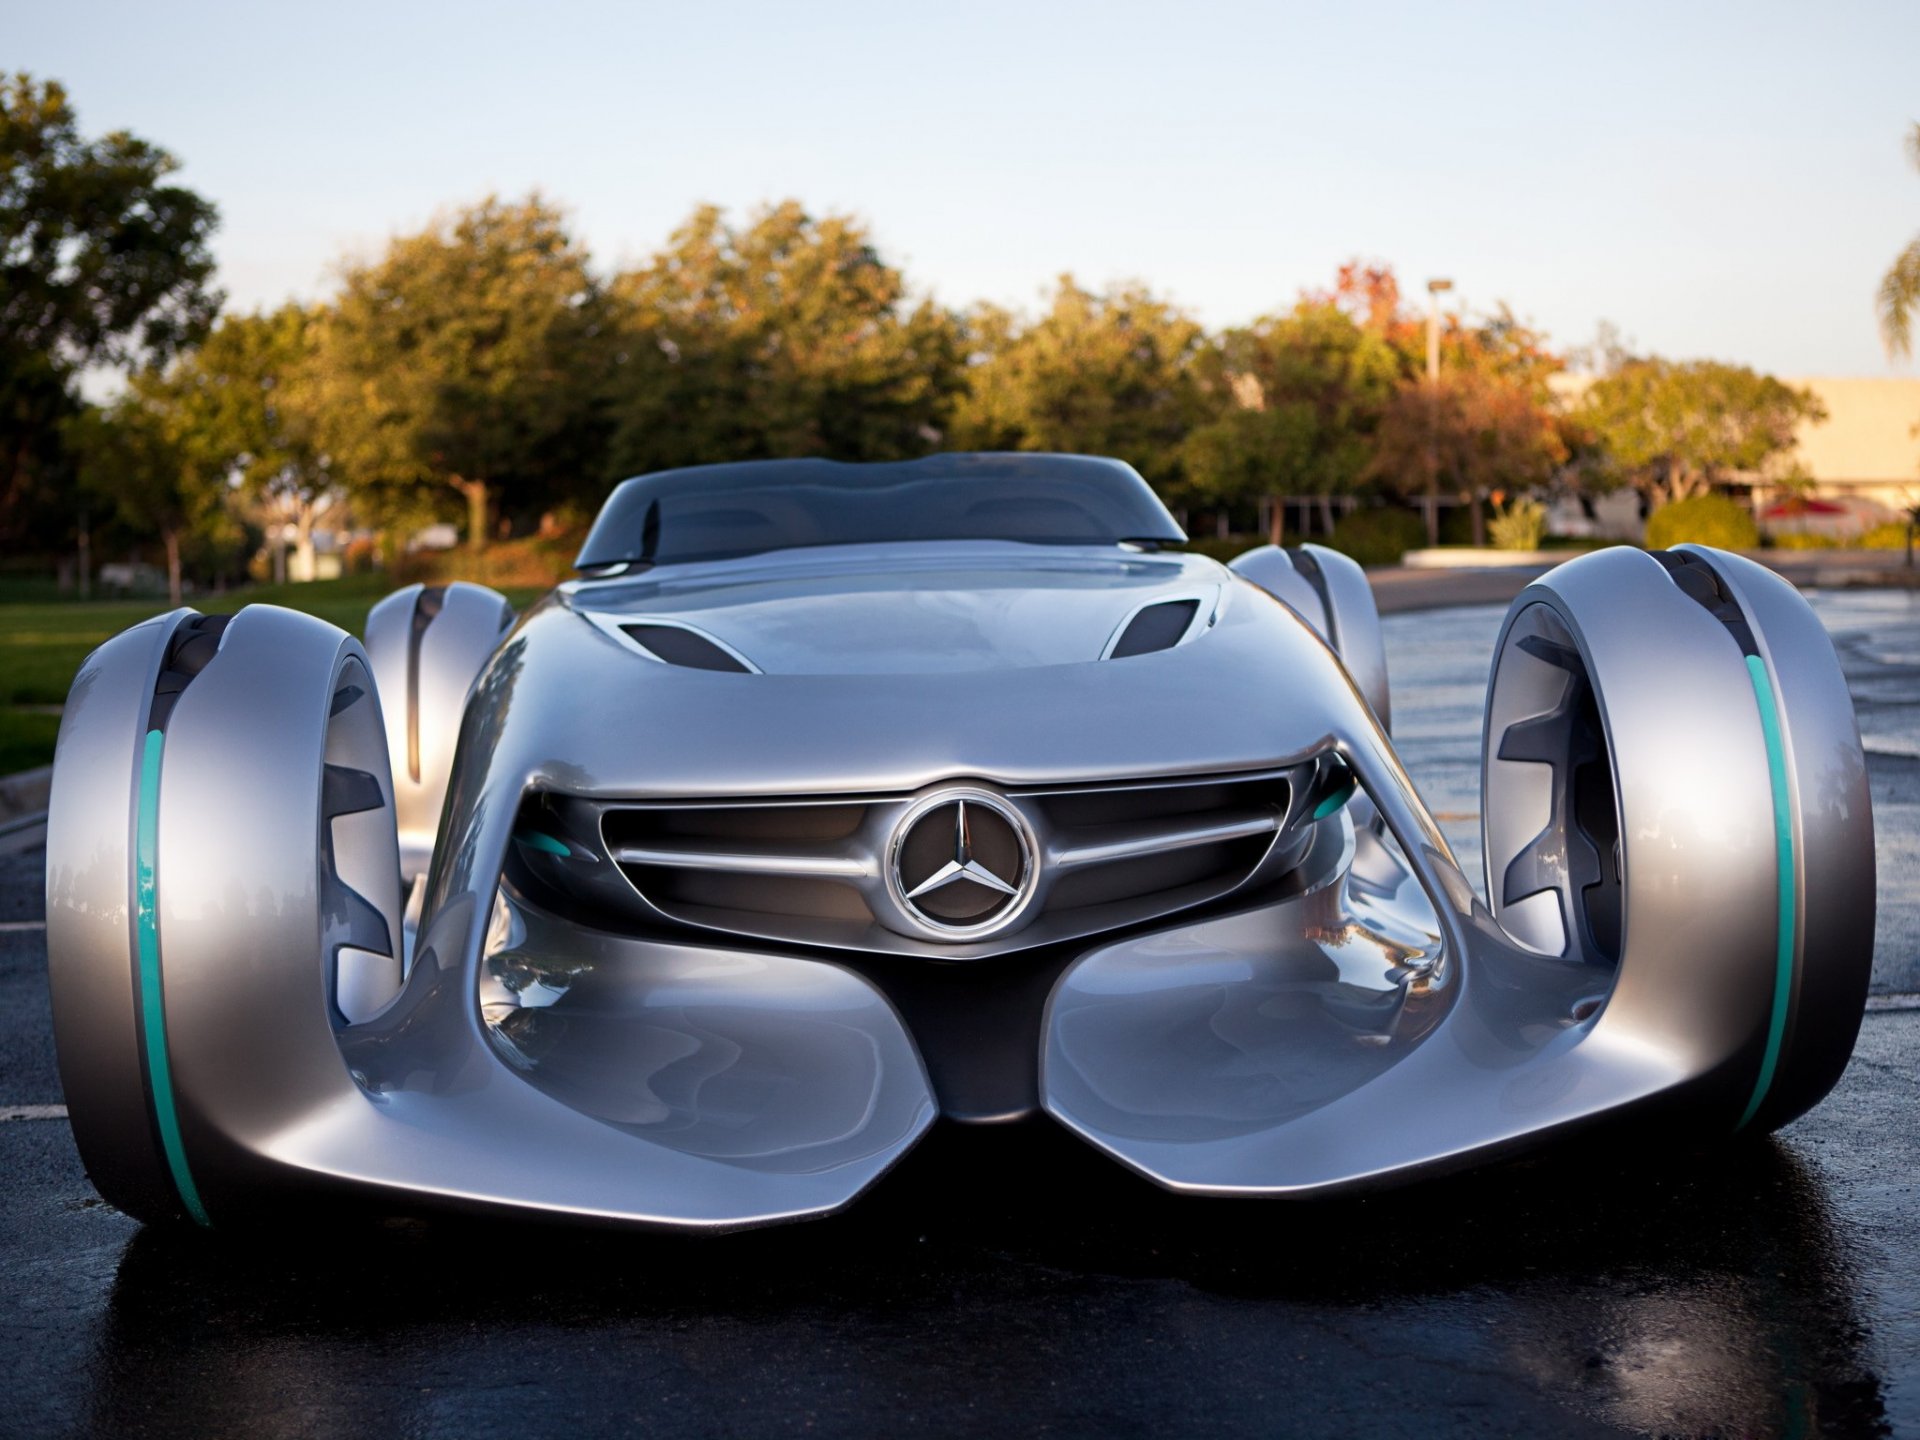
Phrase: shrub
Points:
(533, 562)
(1703, 520)
(1521, 525)
(1890, 536)
(1378, 536)
(1802, 541)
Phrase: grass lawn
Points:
(42, 643)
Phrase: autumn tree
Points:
(102, 263)
(1491, 422)
(1471, 433)
(1101, 372)
(1675, 429)
(789, 335)
(467, 356)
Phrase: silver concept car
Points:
(833, 800)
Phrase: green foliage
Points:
(1890, 536)
(101, 264)
(1519, 525)
(469, 356)
(789, 336)
(1378, 535)
(1675, 429)
(1703, 520)
(1101, 373)
(1898, 298)
(141, 457)
(1300, 396)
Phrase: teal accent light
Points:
(1783, 861)
(153, 1017)
(1334, 801)
(535, 840)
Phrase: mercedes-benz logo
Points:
(961, 863)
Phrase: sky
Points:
(1723, 181)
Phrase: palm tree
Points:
(1899, 299)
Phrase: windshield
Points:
(713, 512)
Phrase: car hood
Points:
(868, 610)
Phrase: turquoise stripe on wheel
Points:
(1785, 884)
(153, 1018)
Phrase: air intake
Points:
(687, 648)
(1154, 627)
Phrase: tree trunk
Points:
(172, 538)
(1479, 522)
(1326, 513)
(86, 558)
(1430, 505)
(1276, 520)
(476, 493)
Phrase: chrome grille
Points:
(811, 870)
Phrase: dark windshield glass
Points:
(711, 512)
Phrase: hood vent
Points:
(1154, 627)
(687, 648)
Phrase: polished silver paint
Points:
(1330, 592)
(532, 1029)
(427, 645)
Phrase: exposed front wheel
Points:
(1675, 796)
(221, 811)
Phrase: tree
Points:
(1472, 433)
(138, 457)
(788, 336)
(1101, 373)
(468, 356)
(1301, 396)
(1676, 429)
(242, 406)
(1899, 296)
(101, 264)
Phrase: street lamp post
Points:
(1432, 498)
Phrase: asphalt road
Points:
(1013, 1282)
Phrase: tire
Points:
(221, 811)
(427, 645)
(1331, 593)
(1674, 795)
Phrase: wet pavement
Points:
(1013, 1282)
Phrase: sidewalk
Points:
(1400, 588)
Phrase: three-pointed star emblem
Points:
(962, 866)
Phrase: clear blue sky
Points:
(1720, 180)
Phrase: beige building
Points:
(1868, 447)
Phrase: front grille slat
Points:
(1107, 844)
(736, 859)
